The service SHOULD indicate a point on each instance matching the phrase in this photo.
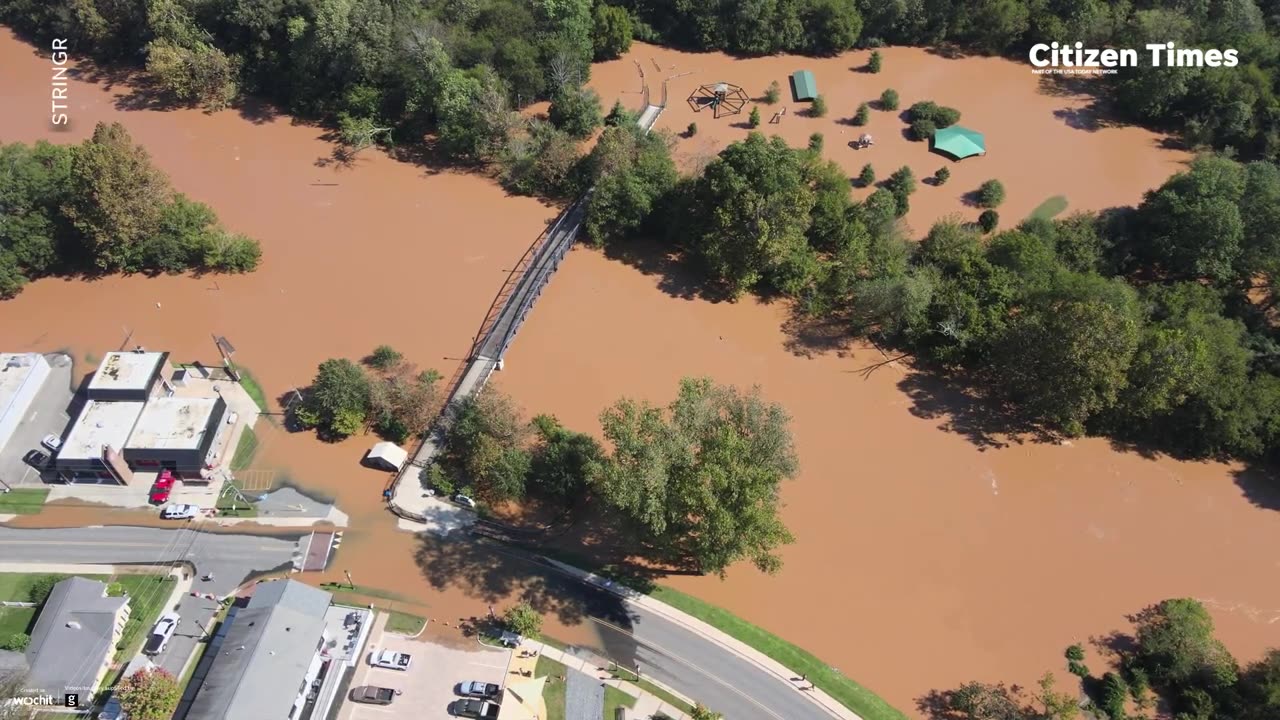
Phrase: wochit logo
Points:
(1069, 58)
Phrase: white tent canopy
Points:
(388, 455)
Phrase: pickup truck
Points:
(390, 659)
(476, 709)
(373, 695)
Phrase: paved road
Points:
(702, 669)
(231, 558)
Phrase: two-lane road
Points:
(231, 558)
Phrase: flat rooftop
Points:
(100, 423)
(126, 371)
(15, 368)
(173, 423)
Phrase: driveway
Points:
(427, 686)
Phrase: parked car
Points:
(477, 689)
(162, 487)
(373, 695)
(160, 634)
(390, 659)
(112, 710)
(478, 709)
(464, 501)
(36, 459)
(180, 511)
(52, 442)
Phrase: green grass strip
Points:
(553, 690)
(251, 386)
(1050, 208)
(405, 623)
(246, 448)
(845, 691)
(23, 501)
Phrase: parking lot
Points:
(427, 686)
(48, 415)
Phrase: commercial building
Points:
(139, 417)
(21, 377)
(75, 638)
(270, 658)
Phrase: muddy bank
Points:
(928, 553)
(1043, 139)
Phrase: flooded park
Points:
(930, 550)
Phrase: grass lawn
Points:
(661, 693)
(404, 623)
(364, 590)
(23, 501)
(1050, 208)
(553, 690)
(847, 692)
(251, 386)
(614, 699)
(17, 586)
(246, 448)
(231, 504)
(15, 620)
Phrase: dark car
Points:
(373, 695)
(36, 459)
(477, 689)
(478, 709)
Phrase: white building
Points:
(21, 377)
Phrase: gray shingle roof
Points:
(72, 636)
(263, 661)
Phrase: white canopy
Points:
(388, 455)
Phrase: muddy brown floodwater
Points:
(923, 557)
(1043, 139)
(353, 257)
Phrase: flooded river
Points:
(927, 553)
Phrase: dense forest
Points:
(102, 207)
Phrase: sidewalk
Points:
(647, 704)
(737, 647)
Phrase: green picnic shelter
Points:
(803, 86)
(959, 142)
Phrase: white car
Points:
(464, 501)
(180, 511)
(390, 659)
(52, 442)
(161, 633)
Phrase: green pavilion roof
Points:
(803, 86)
(959, 142)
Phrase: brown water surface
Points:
(924, 556)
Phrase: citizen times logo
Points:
(71, 700)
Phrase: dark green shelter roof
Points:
(803, 86)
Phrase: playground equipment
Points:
(723, 99)
(864, 141)
(777, 117)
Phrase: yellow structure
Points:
(522, 700)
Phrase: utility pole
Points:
(350, 583)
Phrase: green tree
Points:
(874, 62)
(980, 701)
(988, 220)
(116, 197)
(40, 587)
(576, 111)
(901, 183)
(486, 445)
(942, 176)
(1115, 692)
(753, 120)
(922, 129)
(1055, 705)
(939, 115)
(384, 357)
(358, 133)
(1191, 226)
(991, 194)
(819, 106)
(1067, 359)
(830, 26)
(867, 176)
(889, 100)
(862, 115)
(773, 93)
(523, 620)
(632, 171)
(198, 73)
(563, 460)
(1176, 646)
(691, 130)
(702, 479)
(613, 31)
(149, 694)
(337, 401)
(816, 142)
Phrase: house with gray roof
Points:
(269, 658)
(75, 637)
